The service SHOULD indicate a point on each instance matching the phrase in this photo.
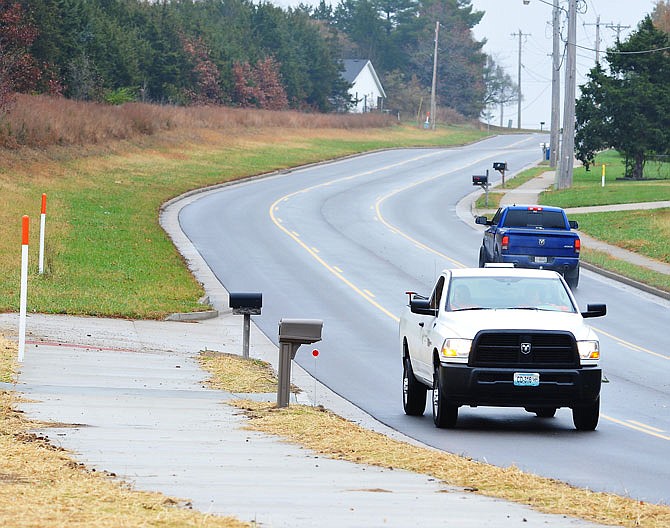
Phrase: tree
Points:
(661, 15)
(628, 109)
(18, 68)
(500, 89)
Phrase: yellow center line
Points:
(632, 346)
(631, 425)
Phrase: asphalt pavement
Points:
(138, 406)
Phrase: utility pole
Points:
(597, 24)
(518, 117)
(555, 88)
(568, 144)
(433, 105)
(617, 28)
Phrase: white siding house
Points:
(366, 89)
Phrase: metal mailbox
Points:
(246, 303)
(292, 334)
(500, 165)
(300, 331)
(480, 179)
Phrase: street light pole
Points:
(568, 144)
(555, 87)
(433, 104)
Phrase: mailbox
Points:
(246, 303)
(300, 331)
(482, 179)
(500, 165)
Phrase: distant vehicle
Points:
(503, 337)
(531, 236)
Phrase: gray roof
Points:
(352, 67)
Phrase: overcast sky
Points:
(504, 17)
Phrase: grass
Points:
(328, 434)
(105, 251)
(587, 189)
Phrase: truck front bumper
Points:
(465, 385)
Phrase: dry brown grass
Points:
(43, 486)
(42, 121)
(331, 435)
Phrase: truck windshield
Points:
(524, 293)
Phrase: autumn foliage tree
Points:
(260, 85)
(207, 87)
(18, 69)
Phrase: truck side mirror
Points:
(422, 307)
(573, 224)
(595, 310)
(482, 220)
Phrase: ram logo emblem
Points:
(525, 348)
(541, 241)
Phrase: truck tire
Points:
(413, 391)
(572, 278)
(445, 414)
(482, 257)
(586, 417)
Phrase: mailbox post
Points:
(501, 167)
(292, 334)
(483, 181)
(246, 304)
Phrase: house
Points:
(366, 89)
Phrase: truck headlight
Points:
(588, 349)
(456, 348)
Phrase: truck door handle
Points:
(421, 324)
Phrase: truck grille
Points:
(524, 349)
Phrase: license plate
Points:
(541, 260)
(526, 379)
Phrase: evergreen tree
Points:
(627, 109)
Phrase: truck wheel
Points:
(482, 257)
(445, 414)
(413, 391)
(572, 278)
(586, 418)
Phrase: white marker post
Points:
(602, 177)
(24, 287)
(43, 221)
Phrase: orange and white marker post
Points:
(43, 223)
(24, 287)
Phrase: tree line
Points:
(240, 53)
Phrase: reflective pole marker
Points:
(24, 287)
(43, 220)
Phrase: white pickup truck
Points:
(503, 337)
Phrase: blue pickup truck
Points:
(531, 236)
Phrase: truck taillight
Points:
(504, 243)
(578, 245)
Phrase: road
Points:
(343, 241)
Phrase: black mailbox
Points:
(500, 165)
(246, 303)
(480, 179)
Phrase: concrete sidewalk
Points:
(134, 393)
